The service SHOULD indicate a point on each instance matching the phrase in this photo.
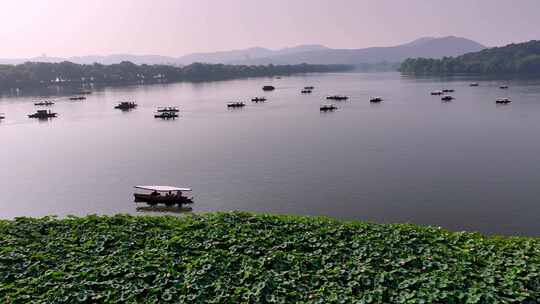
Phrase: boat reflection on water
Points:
(164, 209)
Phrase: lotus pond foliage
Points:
(248, 258)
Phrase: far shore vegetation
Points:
(40, 74)
(521, 58)
(249, 258)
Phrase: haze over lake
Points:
(463, 165)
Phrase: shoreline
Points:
(67, 74)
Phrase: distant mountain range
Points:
(90, 59)
(247, 55)
(428, 47)
(423, 47)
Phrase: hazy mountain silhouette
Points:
(107, 59)
(420, 41)
(428, 47)
(213, 57)
(246, 54)
(424, 47)
(117, 58)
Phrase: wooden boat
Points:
(166, 115)
(77, 98)
(447, 98)
(474, 84)
(126, 105)
(44, 103)
(327, 107)
(258, 99)
(309, 88)
(306, 91)
(236, 105)
(268, 88)
(436, 92)
(42, 114)
(448, 91)
(376, 99)
(166, 195)
(337, 97)
(504, 87)
(503, 101)
(168, 109)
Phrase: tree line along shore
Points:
(520, 58)
(257, 258)
(40, 74)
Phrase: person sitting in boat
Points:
(178, 195)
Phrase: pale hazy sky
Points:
(176, 27)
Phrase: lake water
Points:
(463, 165)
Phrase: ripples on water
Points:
(464, 165)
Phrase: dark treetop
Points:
(513, 58)
(32, 74)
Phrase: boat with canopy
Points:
(166, 115)
(337, 97)
(503, 101)
(327, 107)
(43, 114)
(167, 109)
(258, 99)
(44, 103)
(126, 105)
(77, 98)
(167, 195)
(447, 98)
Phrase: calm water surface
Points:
(463, 165)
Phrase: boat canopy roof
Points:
(162, 188)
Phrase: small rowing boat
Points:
(238, 104)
